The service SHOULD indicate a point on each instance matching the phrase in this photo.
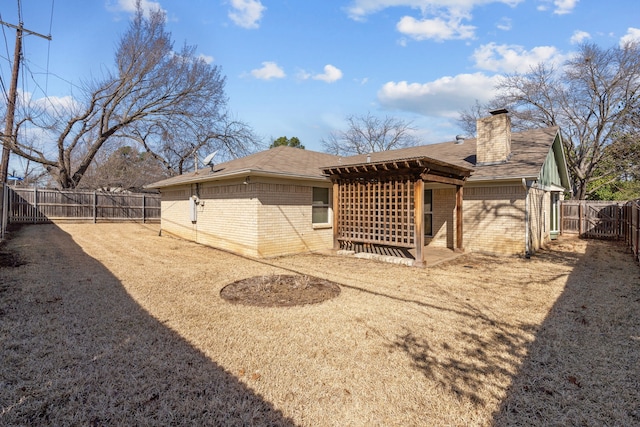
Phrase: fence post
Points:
(580, 218)
(144, 209)
(637, 227)
(5, 216)
(619, 222)
(95, 207)
(561, 209)
(35, 204)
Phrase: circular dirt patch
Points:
(279, 290)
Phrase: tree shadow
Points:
(582, 341)
(584, 366)
(473, 363)
(81, 351)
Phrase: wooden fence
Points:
(595, 219)
(603, 220)
(35, 205)
(631, 227)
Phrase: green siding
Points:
(554, 168)
(550, 174)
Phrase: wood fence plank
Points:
(44, 205)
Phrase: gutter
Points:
(239, 174)
(527, 184)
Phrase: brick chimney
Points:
(494, 138)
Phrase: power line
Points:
(46, 83)
(11, 99)
(6, 44)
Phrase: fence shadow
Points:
(584, 365)
(78, 350)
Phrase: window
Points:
(320, 206)
(428, 213)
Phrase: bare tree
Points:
(594, 98)
(125, 168)
(178, 145)
(367, 134)
(170, 101)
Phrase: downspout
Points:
(527, 249)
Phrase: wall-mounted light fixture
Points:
(247, 180)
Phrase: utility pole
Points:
(9, 137)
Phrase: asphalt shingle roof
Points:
(280, 161)
(529, 151)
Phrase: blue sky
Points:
(299, 67)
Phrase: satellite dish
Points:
(208, 161)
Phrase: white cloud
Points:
(330, 75)
(303, 75)
(579, 36)
(58, 103)
(444, 97)
(246, 13)
(437, 20)
(437, 29)
(504, 24)
(270, 70)
(562, 7)
(51, 104)
(206, 58)
(514, 58)
(359, 9)
(633, 35)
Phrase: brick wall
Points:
(494, 139)
(227, 217)
(265, 219)
(285, 225)
(256, 219)
(444, 218)
(494, 219)
(174, 215)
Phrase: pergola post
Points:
(459, 221)
(418, 215)
(336, 214)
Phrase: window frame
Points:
(317, 204)
(428, 231)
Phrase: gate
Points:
(594, 219)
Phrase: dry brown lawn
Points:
(111, 324)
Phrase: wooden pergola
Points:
(382, 203)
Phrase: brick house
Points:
(497, 193)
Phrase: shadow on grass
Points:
(584, 366)
(470, 365)
(78, 350)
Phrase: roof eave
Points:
(240, 174)
(502, 178)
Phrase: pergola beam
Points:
(442, 179)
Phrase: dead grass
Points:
(111, 324)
